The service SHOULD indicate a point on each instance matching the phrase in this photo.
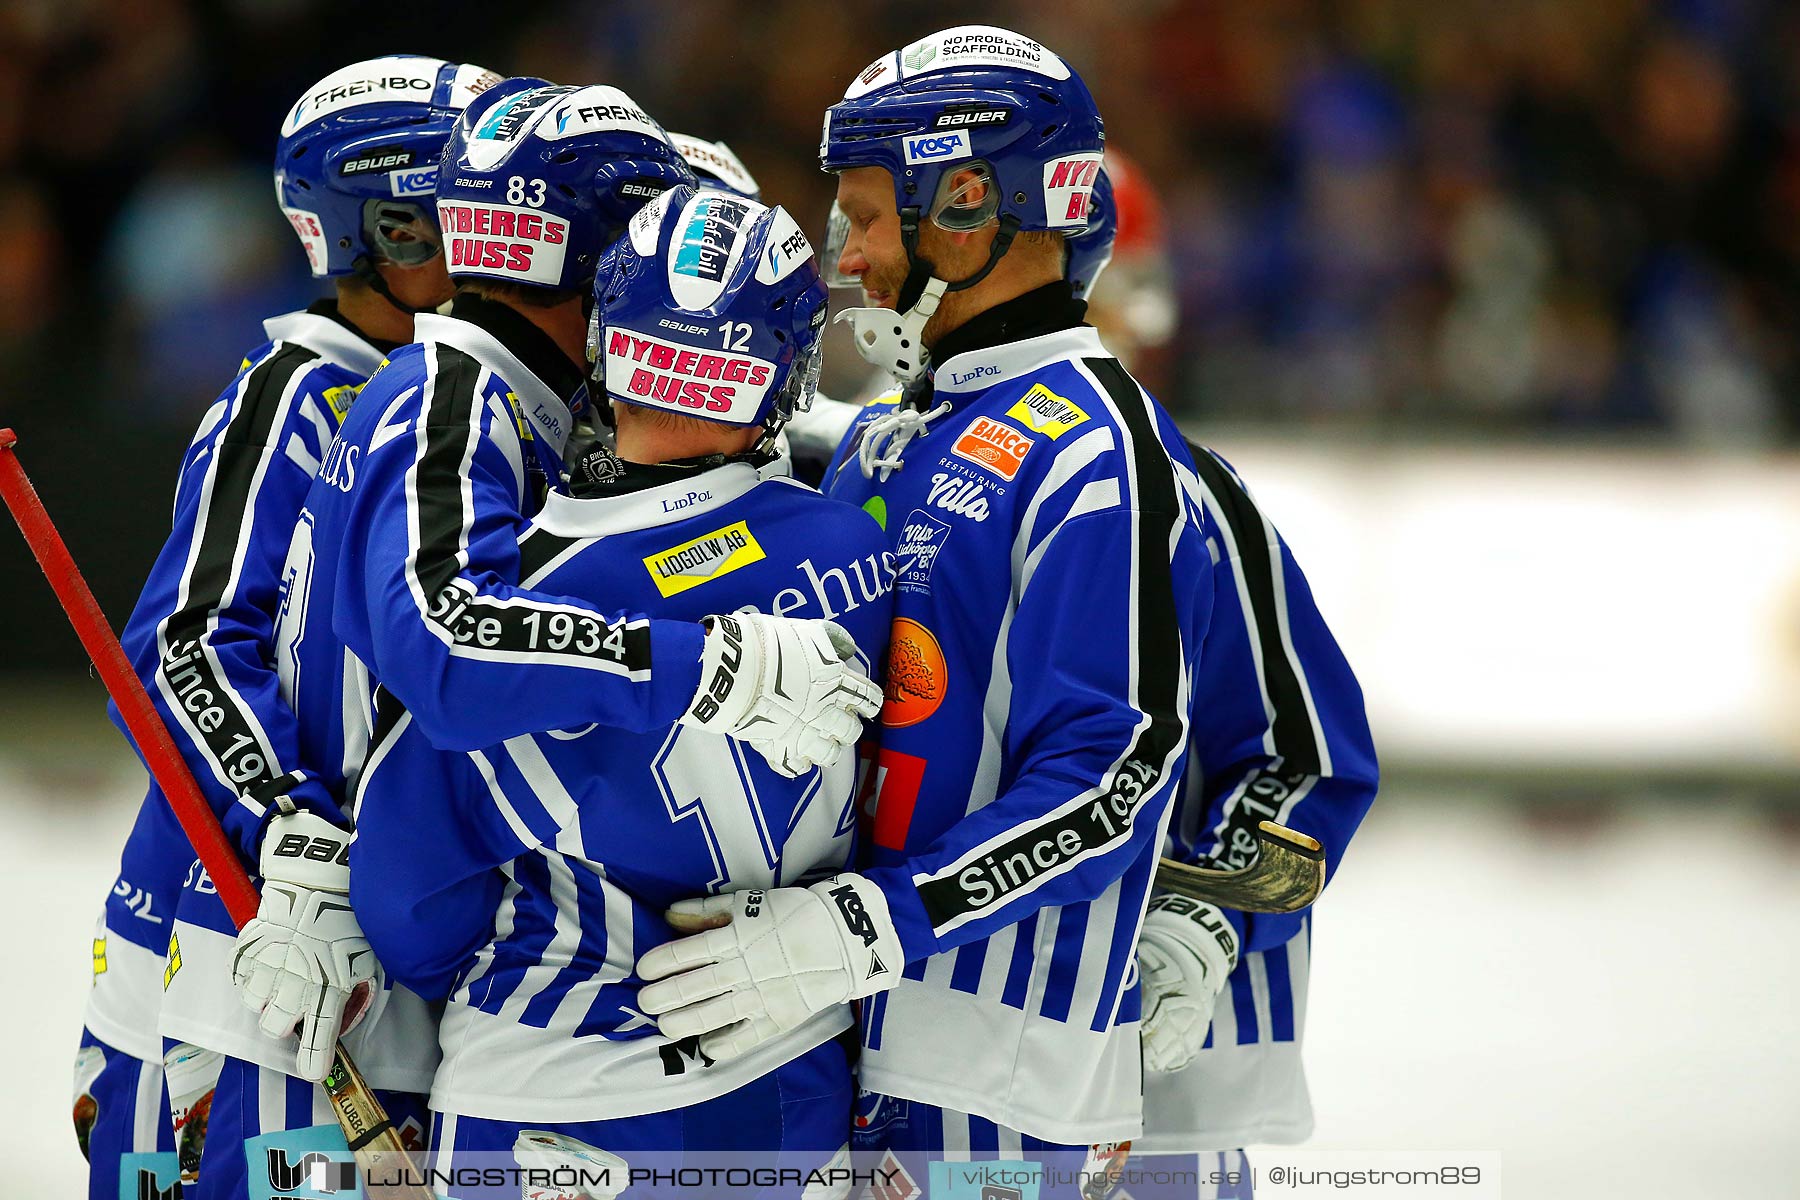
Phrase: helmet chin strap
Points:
(366, 270)
(890, 338)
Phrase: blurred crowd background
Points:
(1382, 217)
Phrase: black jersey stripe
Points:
(1292, 728)
(474, 624)
(537, 550)
(438, 493)
(233, 742)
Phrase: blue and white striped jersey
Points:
(417, 520)
(430, 476)
(1050, 607)
(525, 879)
(1282, 735)
(201, 635)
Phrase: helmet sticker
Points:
(717, 160)
(643, 369)
(879, 73)
(784, 251)
(419, 181)
(502, 125)
(963, 116)
(707, 247)
(373, 82)
(1068, 184)
(938, 147)
(311, 234)
(647, 224)
(368, 162)
(595, 110)
(503, 242)
(976, 46)
(470, 81)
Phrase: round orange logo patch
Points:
(916, 675)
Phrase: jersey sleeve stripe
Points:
(541, 552)
(440, 509)
(237, 749)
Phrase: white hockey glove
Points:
(789, 688)
(1185, 953)
(768, 961)
(594, 1174)
(300, 961)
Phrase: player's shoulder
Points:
(399, 375)
(1074, 419)
(308, 369)
(826, 517)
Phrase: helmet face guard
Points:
(711, 307)
(369, 133)
(537, 184)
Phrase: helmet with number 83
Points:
(711, 307)
(536, 185)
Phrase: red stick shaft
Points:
(166, 764)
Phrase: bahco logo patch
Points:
(916, 675)
(996, 446)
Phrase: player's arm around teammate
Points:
(1286, 739)
(429, 600)
(587, 833)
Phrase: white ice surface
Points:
(1612, 1009)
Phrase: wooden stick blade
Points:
(1288, 875)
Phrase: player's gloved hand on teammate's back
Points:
(769, 959)
(303, 963)
(790, 688)
(1186, 952)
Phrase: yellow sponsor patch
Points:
(520, 419)
(174, 962)
(1043, 411)
(99, 957)
(339, 399)
(704, 559)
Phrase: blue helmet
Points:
(358, 157)
(537, 184)
(717, 167)
(711, 306)
(977, 98)
(1086, 254)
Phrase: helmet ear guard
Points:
(384, 223)
(967, 206)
